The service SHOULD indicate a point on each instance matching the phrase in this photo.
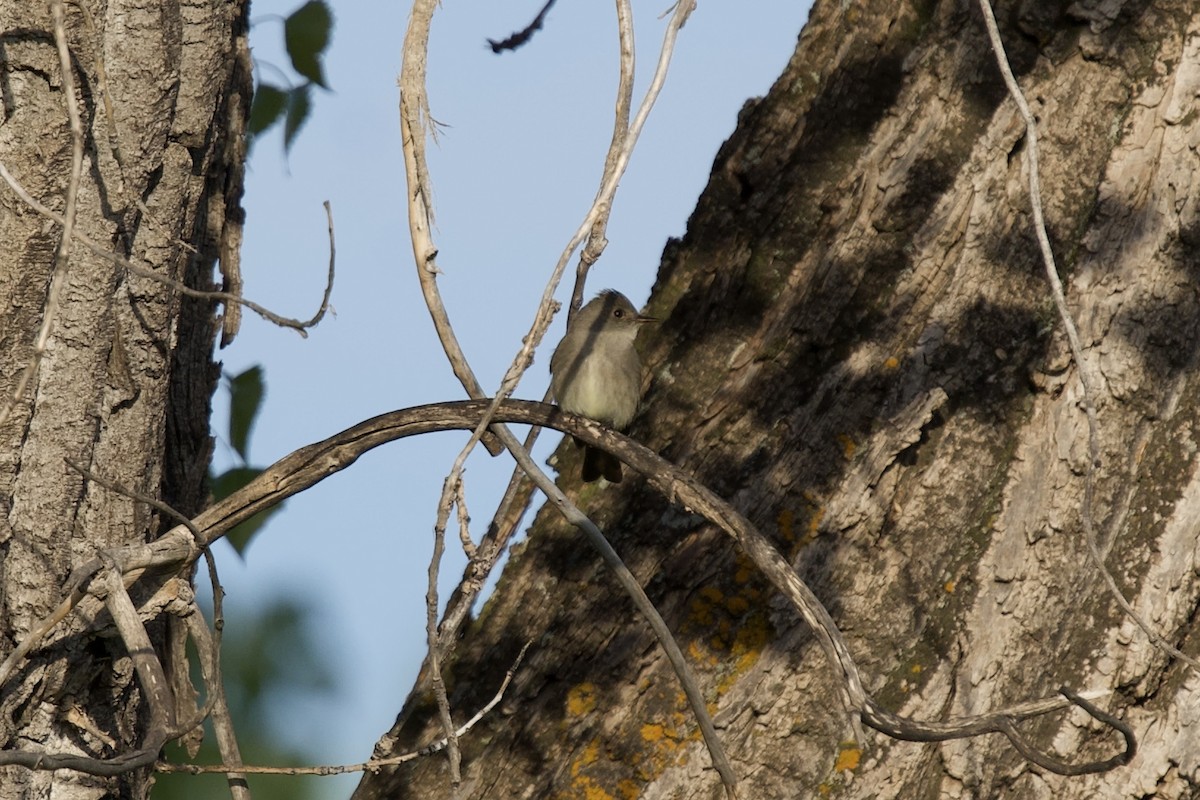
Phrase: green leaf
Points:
(245, 400)
(306, 35)
(267, 108)
(227, 483)
(297, 114)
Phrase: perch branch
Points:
(309, 465)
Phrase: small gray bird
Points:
(595, 372)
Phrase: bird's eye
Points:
(618, 313)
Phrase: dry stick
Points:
(299, 326)
(146, 665)
(596, 237)
(1089, 490)
(210, 665)
(208, 645)
(602, 202)
(464, 521)
(414, 110)
(431, 630)
(414, 104)
(310, 465)
(63, 255)
(373, 764)
(518, 494)
(486, 554)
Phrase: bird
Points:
(595, 372)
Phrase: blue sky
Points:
(514, 170)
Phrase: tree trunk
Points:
(865, 241)
(124, 386)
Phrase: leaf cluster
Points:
(307, 32)
(246, 391)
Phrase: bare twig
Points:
(431, 631)
(596, 237)
(485, 556)
(208, 645)
(464, 521)
(413, 109)
(148, 668)
(1064, 313)
(149, 273)
(518, 493)
(371, 765)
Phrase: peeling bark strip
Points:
(161, 90)
(865, 241)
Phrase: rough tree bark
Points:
(864, 241)
(162, 90)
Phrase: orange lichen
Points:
(814, 522)
(785, 520)
(587, 757)
(848, 758)
(849, 447)
(628, 789)
(653, 732)
(738, 605)
(702, 611)
(581, 699)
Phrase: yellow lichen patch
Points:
(916, 669)
(814, 522)
(712, 594)
(628, 789)
(848, 758)
(737, 605)
(653, 732)
(701, 654)
(949, 587)
(702, 611)
(586, 788)
(588, 756)
(891, 362)
(849, 447)
(785, 520)
(581, 699)
(753, 635)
